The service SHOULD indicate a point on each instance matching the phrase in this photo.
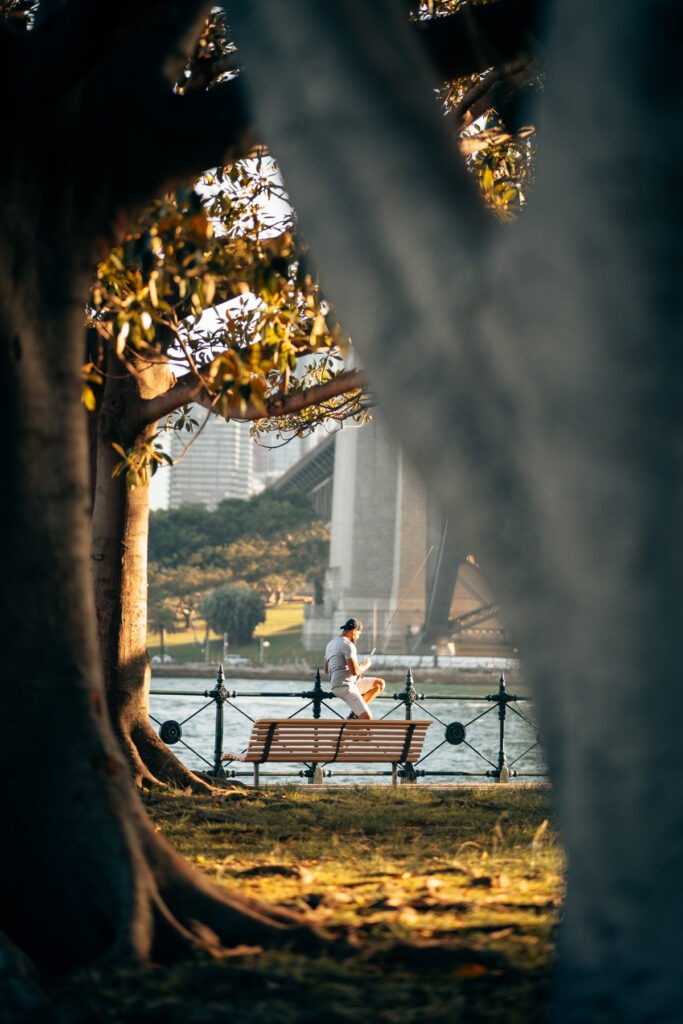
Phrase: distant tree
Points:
(177, 534)
(266, 514)
(236, 611)
(164, 617)
(279, 547)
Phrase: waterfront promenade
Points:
(481, 674)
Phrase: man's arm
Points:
(353, 666)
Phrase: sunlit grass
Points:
(282, 618)
(282, 629)
(481, 865)
(448, 898)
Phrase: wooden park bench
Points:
(319, 741)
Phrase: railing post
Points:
(316, 777)
(219, 695)
(409, 696)
(502, 698)
(318, 694)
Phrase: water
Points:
(183, 702)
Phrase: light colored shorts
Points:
(352, 690)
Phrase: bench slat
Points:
(330, 740)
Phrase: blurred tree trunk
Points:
(533, 373)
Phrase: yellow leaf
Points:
(508, 195)
(121, 337)
(88, 398)
(540, 833)
(209, 289)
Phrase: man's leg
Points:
(371, 687)
(351, 695)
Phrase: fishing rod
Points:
(388, 622)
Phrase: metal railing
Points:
(498, 765)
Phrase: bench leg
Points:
(317, 777)
(256, 775)
(409, 775)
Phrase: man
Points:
(345, 674)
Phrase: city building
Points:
(221, 460)
(214, 462)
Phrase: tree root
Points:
(190, 909)
(153, 764)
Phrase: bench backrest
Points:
(325, 739)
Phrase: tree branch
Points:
(479, 37)
(284, 405)
(501, 82)
(191, 389)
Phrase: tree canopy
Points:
(177, 534)
(236, 611)
(275, 544)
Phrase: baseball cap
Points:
(352, 624)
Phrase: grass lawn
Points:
(449, 900)
(282, 630)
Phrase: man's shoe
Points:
(352, 715)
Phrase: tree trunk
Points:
(90, 857)
(120, 526)
(540, 367)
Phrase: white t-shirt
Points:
(337, 652)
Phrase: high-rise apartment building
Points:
(222, 461)
(210, 465)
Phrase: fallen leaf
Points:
(470, 971)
